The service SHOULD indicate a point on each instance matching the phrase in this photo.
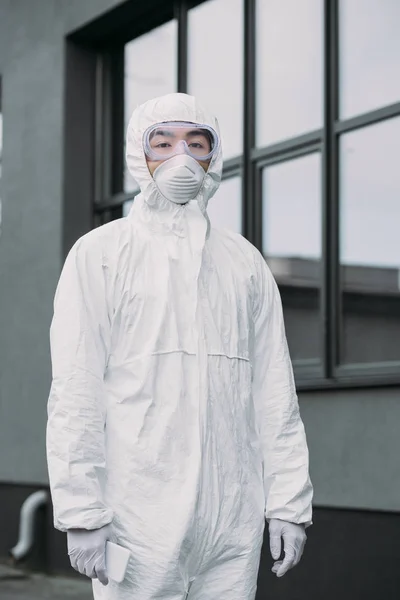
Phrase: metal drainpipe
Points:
(26, 524)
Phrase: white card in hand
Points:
(117, 559)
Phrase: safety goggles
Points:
(165, 140)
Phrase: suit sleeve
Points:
(288, 489)
(79, 341)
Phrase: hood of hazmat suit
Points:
(172, 412)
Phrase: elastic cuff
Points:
(90, 520)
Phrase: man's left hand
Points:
(294, 539)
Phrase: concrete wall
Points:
(354, 447)
(32, 70)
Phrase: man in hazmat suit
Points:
(174, 426)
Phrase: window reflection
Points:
(225, 208)
(292, 247)
(108, 214)
(150, 71)
(289, 68)
(215, 66)
(126, 207)
(369, 55)
(370, 242)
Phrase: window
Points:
(289, 68)
(292, 247)
(225, 208)
(126, 207)
(149, 73)
(308, 99)
(222, 95)
(369, 55)
(170, 57)
(370, 243)
(366, 140)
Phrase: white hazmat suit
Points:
(172, 412)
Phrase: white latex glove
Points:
(294, 540)
(87, 551)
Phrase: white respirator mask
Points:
(179, 178)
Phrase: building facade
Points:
(308, 97)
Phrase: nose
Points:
(181, 147)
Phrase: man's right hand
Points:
(87, 551)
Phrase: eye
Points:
(196, 145)
(163, 145)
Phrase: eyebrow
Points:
(168, 133)
(195, 132)
(163, 132)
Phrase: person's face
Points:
(166, 139)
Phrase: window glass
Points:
(150, 71)
(126, 207)
(108, 214)
(369, 55)
(215, 66)
(289, 68)
(292, 247)
(225, 208)
(370, 243)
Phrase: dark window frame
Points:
(327, 373)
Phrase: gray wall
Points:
(354, 444)
(32, 69)
(353, 435)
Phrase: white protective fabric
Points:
(173, 411)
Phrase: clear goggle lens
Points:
(165, 140)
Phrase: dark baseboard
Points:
(350, 554)
(49, 551)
